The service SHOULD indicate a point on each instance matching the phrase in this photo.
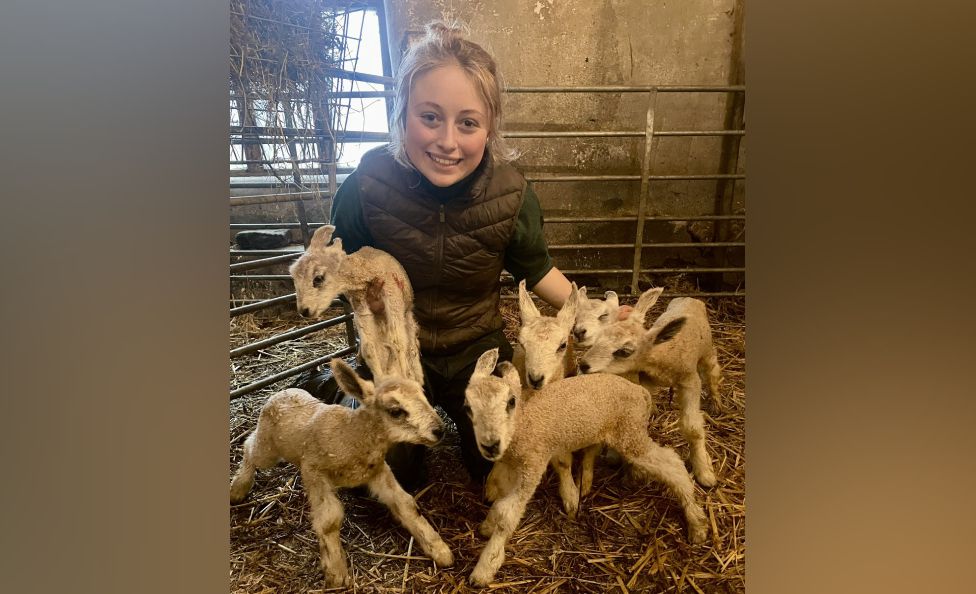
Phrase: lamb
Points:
(544, 352)
(380, 293)
(593, 315)
(335, 446)
(521, 437)
(676, 352)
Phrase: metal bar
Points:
(261, 277)
(606, 271)
(701, 294)
(351, 336)
(332, 71)
(608, 246)
(339, 135)
(360, 94)
(618, 133)
(579, 178)
(270, 162)
(286, 336)
(645, 188)
(252, 307)
(267, 226)
(272, 198)
(646, 218)
(273, 379)
(263, 263)
(630, 89)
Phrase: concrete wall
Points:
(608, 42)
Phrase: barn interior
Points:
(629, 119)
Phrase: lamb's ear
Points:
(321, 238)
(510, 375)
(611, 298)
(351, 383)
(527, 309)
(567, 314)
(486, 363)
(644, 303)
(582, 293)
(670, 330)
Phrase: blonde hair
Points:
(446, 44)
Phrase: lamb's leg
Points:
(664, 465)
(505, 514)
(259, 453)
(386, 488)
(372, 345)
(326, 519)
(692, 425)
(413, 346)
(568, 491)
(710, 373)
(586, 468)
(500, 481)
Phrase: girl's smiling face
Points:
(447, 125)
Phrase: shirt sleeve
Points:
(527, 256)
(347, 216)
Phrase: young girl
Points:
(444, 201)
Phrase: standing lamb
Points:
(380, 293)
(675, 352)
(335, 446)
(565, 416)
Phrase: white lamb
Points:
(522, 437)
(336, 446)
(675, 352)
(380, 293)
(544, 352)
(593, 315)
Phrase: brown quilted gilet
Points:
(453, 252)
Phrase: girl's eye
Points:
(428, 118)
(470, 123)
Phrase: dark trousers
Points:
(445, 379)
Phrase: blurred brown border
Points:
(860, 283)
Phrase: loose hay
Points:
(628, 537)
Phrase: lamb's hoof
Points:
(481, 576)
(486, 529)
(442, 555)
(697, 533)
(571, 510)
(338, 581)
(238, 491)
(706, 478)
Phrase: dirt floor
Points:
(628, 537)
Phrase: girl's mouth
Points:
(443, 161)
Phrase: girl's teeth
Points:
(445, 161)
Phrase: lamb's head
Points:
(316, 272)
(615, 349)
(593, 315)
(399, 402)
(545, 339)
(492, 404)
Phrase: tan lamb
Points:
(336, 446)
(380, 293)
(675, 352)
(522, 437)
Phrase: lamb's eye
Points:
(562, 347)
(397, 413)
(511, 404)
(623, 353)
(604, 317)
(318, 280)
(467, 410)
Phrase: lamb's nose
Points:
(438, 433)
(584, 367)
(535, 381)
(491, 448)
(305, 312)
(579, 333)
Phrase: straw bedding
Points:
(628, 537)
